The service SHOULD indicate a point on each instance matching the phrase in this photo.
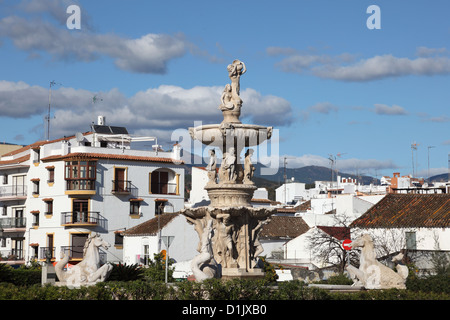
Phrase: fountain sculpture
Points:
(235, 223)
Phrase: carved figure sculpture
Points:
(371, 273)
(203, 265)
(88, 271)
(227, 99)
(235, 71)
(211, 167)
(228, 167)
(249, 168)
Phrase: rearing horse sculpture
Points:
(88, 271)
(372, 274)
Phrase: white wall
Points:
(183, 247)
(199, 181)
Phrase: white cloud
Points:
(386, 66)
(386, 110)
(147, 54)
(159, 110)
(344, 67)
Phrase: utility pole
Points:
(413, 147)
(428, 173)
(285, 180)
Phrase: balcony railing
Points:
(12, 191)
(77, 218)
(163, 188)
(11, 255)
(6, 223)
(47, 252)
(80, 184)
(121, 186)
(76, 252)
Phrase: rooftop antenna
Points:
(52, 83)
(95, 99)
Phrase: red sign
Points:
(347, 244)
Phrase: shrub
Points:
(121, 272)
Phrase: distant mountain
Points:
(440, 178)
(309, 174)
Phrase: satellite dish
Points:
(79, 136)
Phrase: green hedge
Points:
(209, 290)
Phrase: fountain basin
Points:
(227, 135)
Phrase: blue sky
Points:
(329, 84)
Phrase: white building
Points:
(53, 194)
(415, 221)
(291, 192)
(141, 242)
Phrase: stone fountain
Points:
(230, 220)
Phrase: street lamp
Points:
(167, 242)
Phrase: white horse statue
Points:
(88, 271)
(372, 274)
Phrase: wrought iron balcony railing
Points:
(77, 218)
(121, 186)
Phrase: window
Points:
(159, 182)
(134, 207)
(80, 175)
(35, 186)
(118, 238)
(159, 206)
(49, 207)
(410, 238)
(51, 174)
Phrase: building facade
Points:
(53, 194)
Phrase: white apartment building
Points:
(53, 194)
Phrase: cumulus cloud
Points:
(344, 67)
(320, 107)
(148, 54)
(155, 111)
(386, 110)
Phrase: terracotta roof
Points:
(407, 210)
(15, 161)
(340, 233)
(38, 144)
(284, 227)
(89, 155)
(304, 206)
(150, 227)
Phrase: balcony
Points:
(12, 256)
(76, 253)
(13, 192)
(74, 218)
(46, 253)
(121, 186)
(80, 186)
(13, 223)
